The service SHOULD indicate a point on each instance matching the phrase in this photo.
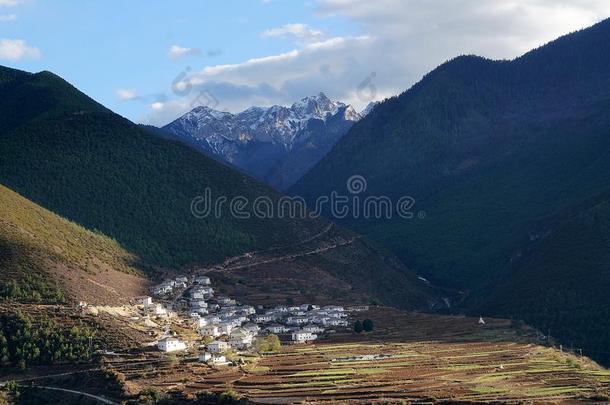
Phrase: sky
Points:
(154, 60)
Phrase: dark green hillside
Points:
(484, 147)
(561, 279)
(72, 156)
(488, 148)
(66, 152)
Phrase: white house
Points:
(171, 344)
(207, 291)
(210, 330)
(277, 329)
(225, 328)
(182, 279)
(281, 309)
(143, 300)
(199, 322)
(238, 319)
(241, 340)
(161, 289)
(247, 310)
(157, 309)
(198, 303)
(204, 357)
(335, 322)
(313, 329)
(301, 336)
(202, 280)
(297, 320)
(217, 346)
(264, 318)
(198, 295)
(227, 312)
(213, 319)
(218, 359)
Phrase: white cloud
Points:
(126, 94)
(158, 106)
(177, 52)
(398, 42)
(8, 17)
(17, 49)
(300, 31)
(493, 28)
(9, 3)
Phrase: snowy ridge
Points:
(277, 124)
(277, 144)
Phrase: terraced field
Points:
(412, 357)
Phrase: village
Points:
(225, 325)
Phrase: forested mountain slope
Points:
(489, 150)
(76, 158)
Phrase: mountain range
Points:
(105, 193)
(510, 162)
(276, 144)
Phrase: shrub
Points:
(269, 343)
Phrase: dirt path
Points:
(32, 378)
(223, 268)
(85, 394)
(248, 255)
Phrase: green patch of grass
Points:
(489, 390)
(551, 391)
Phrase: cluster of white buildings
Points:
(241, 323)
(168, 286)
(234, 326)
(213, 354)
(152, 308)
(304, 322)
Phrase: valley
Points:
(189, 215)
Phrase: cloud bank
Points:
(399, 41)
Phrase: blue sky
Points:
(103, 46)
(263, 52)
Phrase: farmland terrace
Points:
(409, 356)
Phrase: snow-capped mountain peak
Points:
(310, 122)
(318, 107)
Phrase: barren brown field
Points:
(419, 357)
